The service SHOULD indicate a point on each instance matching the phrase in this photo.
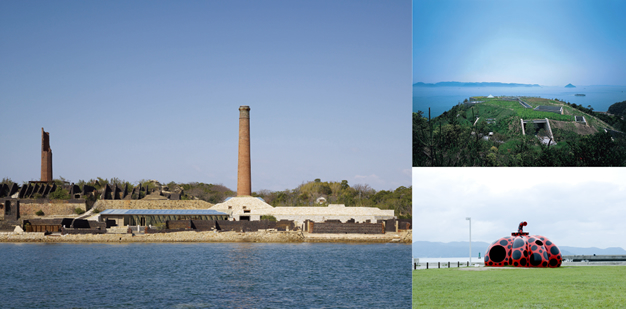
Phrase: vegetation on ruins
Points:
(60, 194)
(306, 194)
(212, 193)
(39, 212)
(457, 137)
(269, 218)
(79, 211)
(341, 193)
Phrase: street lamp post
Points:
(470, 238)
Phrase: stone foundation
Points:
(262, 236)
(151, 204)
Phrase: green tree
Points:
(60, 194)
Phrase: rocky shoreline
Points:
(190, 236)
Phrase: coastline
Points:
(404, 237)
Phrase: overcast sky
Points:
(151, 90)
(550, 43)
(579, 207)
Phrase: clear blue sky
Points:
(550, 43)
(151, 90)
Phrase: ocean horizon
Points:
(441, 99)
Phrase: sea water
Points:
(441, 99)
(203, 275)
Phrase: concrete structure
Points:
(145, 217)
(244, 183)
(541, 123)
(46, 157)
(595, 258)
(252, 208)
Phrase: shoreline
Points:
(209, 237)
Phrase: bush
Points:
(79, 211)
(60, 194)
(96, 211)
(159, 226)
(39, 213)
(270, 218)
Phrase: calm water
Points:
(241, 275)
(441, 99)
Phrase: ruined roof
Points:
(163, 212)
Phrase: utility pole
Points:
(470, 238)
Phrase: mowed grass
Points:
(563, 287)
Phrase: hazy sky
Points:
(550, 43)
(151, 90)
(579, 207)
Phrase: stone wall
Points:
(253, 226)
(345, 228)
(151, 204)
(50, 208)
(263, 236)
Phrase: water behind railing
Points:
(443, 262)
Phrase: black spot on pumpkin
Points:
(497, 253)
(535, 259)
(554, 250)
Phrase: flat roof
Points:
(164, 212)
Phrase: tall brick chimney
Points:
(46, 157)
(244, 183)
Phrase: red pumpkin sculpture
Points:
(522, 250)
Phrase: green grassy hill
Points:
(490, 133)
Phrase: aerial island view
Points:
(508, 130)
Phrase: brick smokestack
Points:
(244, 183)
(46, 157)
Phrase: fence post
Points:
(426, 265)
(438, 264)
(467, 263)
(448, 264)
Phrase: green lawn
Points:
(563, 287)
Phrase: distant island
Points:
(570, 86)
(473, 84)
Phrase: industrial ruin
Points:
(35, 207)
